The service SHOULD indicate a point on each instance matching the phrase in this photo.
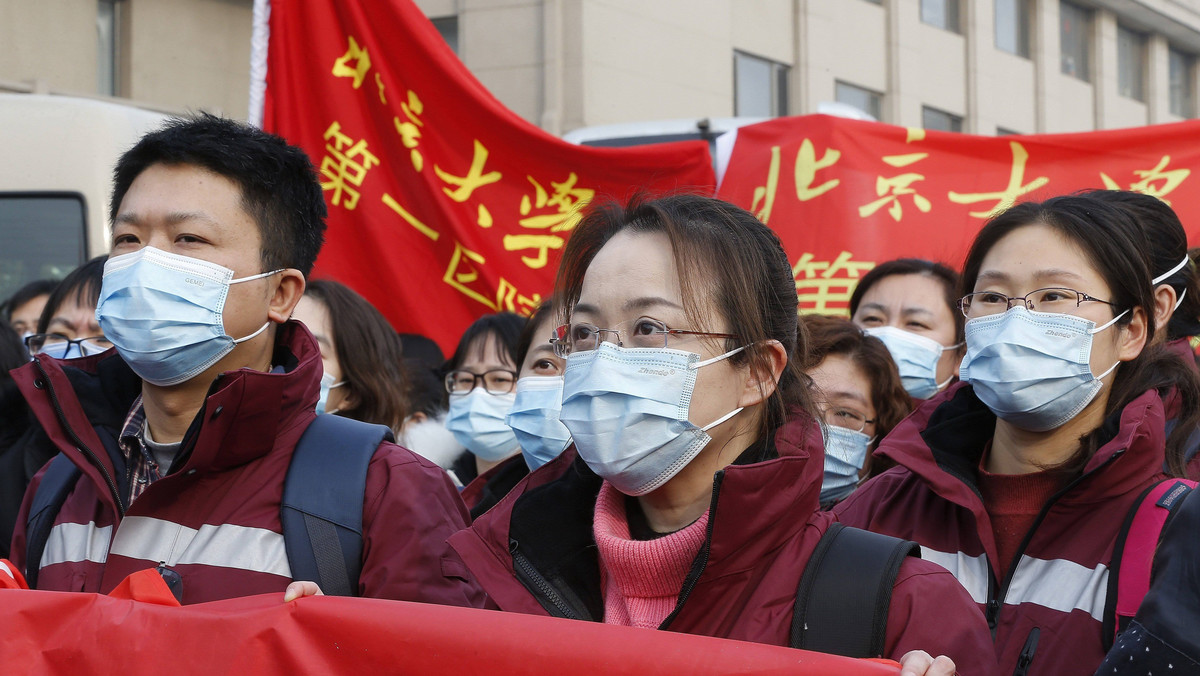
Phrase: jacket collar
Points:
(943, 440)
(242, 416)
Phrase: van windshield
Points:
(42, 236)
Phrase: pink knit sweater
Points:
(641, 580)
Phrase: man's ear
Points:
(288, 291)
(761, 382)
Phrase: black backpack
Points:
(321, 510)
(843, 598)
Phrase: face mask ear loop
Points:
(242, 340)
(942, 386)
(1109, 323)
(716, 359)
(1167, 275)
(722, 419)
(254, 277)
(1110, 370)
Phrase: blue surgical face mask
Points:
(163, 313)
(916, 358)
(627, 410)
(534, 419)
(71, 349)
(1033, 369)
(477, 421)
(845, 453)
(327, 383)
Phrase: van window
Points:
(42, 235)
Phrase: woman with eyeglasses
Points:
(688, 500)
(908, 303)
(1019, 478)
(480, 382)
(533, 416)
(860, 397)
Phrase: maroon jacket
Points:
(1051, 607)
(534, 553)
(215, 519)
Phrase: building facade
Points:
(978, 66)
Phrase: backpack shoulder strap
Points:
(843, 598)
(1133, 552)
(60, 477)
(321, 511)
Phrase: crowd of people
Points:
(665, 443)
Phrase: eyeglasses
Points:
(582, 337)
(846, 418)
(496, 381)
(58, 345)
(1054, 299)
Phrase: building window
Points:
(1131, 63)
(1012, 27)
(1180, 74)
(108, 56)
(759, 86)
(941, 13)
(865, 100)
(940, 120)
(448, 27)
(1075, 27)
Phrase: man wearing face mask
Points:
(183, 433)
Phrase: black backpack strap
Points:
(58, 481)
(844, 595)
(322, 505)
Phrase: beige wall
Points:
(51, 40)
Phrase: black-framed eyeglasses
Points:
(1051, 299)
(644, 332)
(496, 381)
(847, 418)
(58, 345)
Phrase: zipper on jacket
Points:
(997, 601)
(702, 558)
(529, 575)
(1027, 652)
(79, 445)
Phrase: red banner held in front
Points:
(845, 195)
(444, 205)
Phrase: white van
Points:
(56, 159)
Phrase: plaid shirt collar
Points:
(141, 468)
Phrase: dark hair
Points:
(915, 266)
(722, 249)
(503, 329)
(417, 347)
(39, 287)
(368, 350)
(279, 186)
(12, 355)
(525, 340)
(838, 336)
(82, 285)
(1107, 237)
(1165, 246)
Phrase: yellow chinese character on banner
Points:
(543, 243)
(462, 273)
(1008, 196)
(409, 218)
(410, 130)
(475, 178)
(362, 64)
(509, 299)
(346, 165)
(1170, 180)
(807, 166)
(825, 287)
(891, 189)
(566, 199)
(765, 194)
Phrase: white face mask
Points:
(327, 383)
(916, 358)
(627, 410)
(477, 421)
(1033, 369)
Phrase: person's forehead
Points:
(173, 193)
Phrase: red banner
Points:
(443, 204)
(69, 634)
(845, 195)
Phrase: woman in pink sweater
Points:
(689, 498)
